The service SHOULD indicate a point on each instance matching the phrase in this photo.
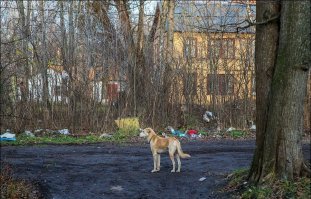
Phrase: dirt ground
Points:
(114, 171)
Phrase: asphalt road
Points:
(114, 171)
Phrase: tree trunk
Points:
(44, 67)
(24, 23)
(130, 47)
(166, 34)
(72, 67)
(282, 64)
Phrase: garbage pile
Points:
(208, 116)
(190, 133)
(8, 136)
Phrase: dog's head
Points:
(145, 132)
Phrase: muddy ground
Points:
(114, 171)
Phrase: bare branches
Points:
(154, 24)
(250, 23)
(14, 40)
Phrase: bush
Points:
(123, 134)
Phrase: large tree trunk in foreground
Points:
(283, 53)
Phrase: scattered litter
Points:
(116, 188)
(51, 131)
(230, 175)
(237, 133)
(230, 129)
(106, 135)
(253, 127)
(203, 133)
(29, 133)
(176, 132)
(64, 131)
(244, 182)
(192, 132)
(194, 136)
(217, 136)
(8, 136)
(208, 116)
(38, 130)
(202, 179)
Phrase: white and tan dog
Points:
(159, 145)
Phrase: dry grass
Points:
(238, 185)
(15, 189)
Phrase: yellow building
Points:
(213, 51)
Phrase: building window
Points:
(220, 84)
(202, 50)
(222, 48)
(190, 47)
(190, 84)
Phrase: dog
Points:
(159, 145)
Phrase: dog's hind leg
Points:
(155, 155)
(173, 161)
(158, 162)
(178, 162)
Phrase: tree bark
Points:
(154, 25)
(266, 50)
(280, 99)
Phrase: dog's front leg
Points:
(155, 155)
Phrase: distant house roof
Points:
(212, 16)
(56, 68)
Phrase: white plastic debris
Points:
(116, 188)
(64, 131)
(217, 136)
(38, 130)
(194, 136)
(253, 127)
(208, 116)
(202, 179)
(230, 129)
(106, 135)
(8, 136)
(29, 133)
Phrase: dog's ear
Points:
(148, 130)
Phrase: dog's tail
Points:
(181, 153)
